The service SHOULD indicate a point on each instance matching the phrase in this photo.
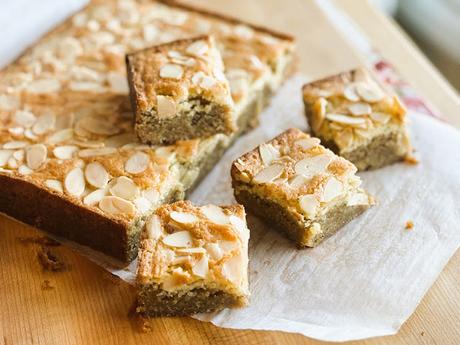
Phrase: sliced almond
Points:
(166, 107)
(194, 250)
(214, 251)
(231, 269)
(345, 119)
(13, 145)
(350, 93)
(118, 83)
(198, 48)
(24, 118)
(318, 114)
(243, 31)
(5, 156)
(65, 152)
(150, 32)
(269, 174)
(152, 195)
(125, 188)
(16, 131)
(172, 71)
(103, 151)
(36, 156)
(183, 217)
(344, 137)
(298, 181)
(358, 199)
(96, 175)
(42, 86)
(24, 170)
(143, 205)
(215, 214)
(29, 134)
(60, 136)
(312, 166)
(19, 155)
(201, 267)
(153, 227)
(308, 203)
(368, 93)
(55, 185)
(332, 189)
(179, 239)
(12, 163)
(44, 124)
(308, 143)
(94, 197)
(380, 117)
(137, 163)
(74, 182)
(115, 205)
(99, 125)
(360, 109)
(268, 153)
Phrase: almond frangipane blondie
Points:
(193, 260)
(179, 91)
(299, 186)
(359, 120)
(69, 160)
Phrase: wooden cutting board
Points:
(81, 303)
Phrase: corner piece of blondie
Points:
(299, 186)
(193, 260)
(179, 91)
(357, 118)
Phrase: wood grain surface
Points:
(52, 295)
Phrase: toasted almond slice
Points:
(16, 131)
(368, 93)
(94, 197)
(198, 48)
(24, 118)
(137, 163)
(318, 114)
(150, 32)
(344, 137)
(298, 181)
(152, 195)
(312, 166)
(172, 71)
(332, 189)
(29, 134)
(42, 86)
(363, 133)
(269, 174)
(243, 31)
(183, 217)
(92, 144)
(5, 156)
(308, 203)
(143, 205)
(179, 239)
(118, 83)
(360, 109)
(308, 143)
(345, 119)
(44, 124)
(24, 170)
(268, 153)
(19, 155)
(12, 163)
(65, 152)
(74, 182)
(214, 251)
(194, 250)
(60, 136)
(207, 82)
(96, 175)
(350, 93)
(13, 145)
(231, 269)
(36, 156)
(166, 107)
(215, 214)
(153, 227)
(380, 117)
(125, 188)
(55, 185)
(115, 205)
(103, 151)
(201, 267)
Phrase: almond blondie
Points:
(358, 119)
(179, 91)
(299, 186)
(193, 260)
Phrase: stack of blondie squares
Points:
(111, 119)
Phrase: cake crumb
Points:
(46, 285)
(49, 260)
(423, 333)
(140, 323)
(411, 160)
(409, 225)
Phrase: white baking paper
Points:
(366, 280)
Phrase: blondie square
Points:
(299, 186)
(193, 260)
(179, 91)
(356, 118)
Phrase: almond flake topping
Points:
(19, 155)
(59, 136)
(308, 143)
(194, 250)
(24, 170)
(298, 181)
(96, 175)
(54, 185)
(369, 94)
(36, 156)
(201, 267)
(137, 163)
(172, 71)
(16, 131)
(5, 156)
(269, 174)
(178, 239)
(345, 119)
(103, 151)
(42, 86)
(14, 145)
(183, 218)
(115, 205)
(268, 153)
(350, 93)
(312, 166)
(95, 197)
(215, 214)
(74, 182)
(118, 83)
(332, 189)
(24, 118)
(65, 152)
(143, 205)
(358, 199)
(153, 227)
(359, 109)
(166, 107)
(380, 117)
(125, 188)
(308, 203)
(197, 48)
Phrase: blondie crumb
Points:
(50, 260)
(409, 225)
